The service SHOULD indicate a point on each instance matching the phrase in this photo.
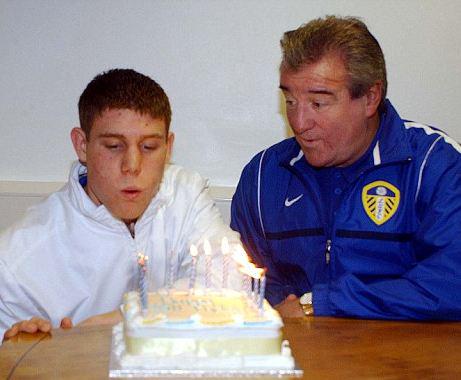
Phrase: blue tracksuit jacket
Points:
(393, 250)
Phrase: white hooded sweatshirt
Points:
(71, 258)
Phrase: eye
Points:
(149, 147)
(317, 105)
(113, 146)
(289, 102)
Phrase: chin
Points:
(314, 159)
(319, 163)
(128, 216)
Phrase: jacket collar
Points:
(392, 140)
(80, 199)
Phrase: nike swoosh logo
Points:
(289, 202)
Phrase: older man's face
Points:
(332, 128)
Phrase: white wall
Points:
(218, 61)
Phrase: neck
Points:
(130, 225)
(370, 133)
(371, 129)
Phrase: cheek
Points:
(102, 168)
(344, 128)
(101, 164)
(332, 130)
(154, 167)
(292, 121)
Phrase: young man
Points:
(74, 255)
(358, 214)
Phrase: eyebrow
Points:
(120, 136)
(321, 92)
(313, 91)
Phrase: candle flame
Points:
(240, 256)
(252, 271)
(245, 265)
(225, 248)
(207, 247)
(193, 250)
(142, 259)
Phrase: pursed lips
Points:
(309, 142)
(131, 192)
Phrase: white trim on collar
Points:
(259, 193)
(294, 160)
(376, 154)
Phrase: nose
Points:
(301, 118)
(132, 161)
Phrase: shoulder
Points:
(401, 139)
(39, 224)
(178, 178)
(266, 171)
(427, 136)
(438, 162)
(271, 157)
(182, 189)
(427, 141)
(44, 212)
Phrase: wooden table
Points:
(325, 348)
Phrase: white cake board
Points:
(166, 370)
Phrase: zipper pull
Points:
(327, 251)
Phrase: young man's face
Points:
(332, 128)
(125, 155)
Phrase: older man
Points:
(360, 213)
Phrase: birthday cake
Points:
(202, 330)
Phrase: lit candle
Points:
(207, 249)
(193, 269)
(225, 249)
(253, 276)
(247, 285)
(142, 267)
(171, 270)
(262, 290)
(241, 258)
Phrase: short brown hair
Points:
(350, 38)
(122, 88)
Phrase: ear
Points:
(79, 142)
(374, 96)
(169, 147)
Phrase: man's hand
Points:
(290, 307)
(110, 318)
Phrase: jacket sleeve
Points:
(245, 219)
(431, 288)
(16, 303)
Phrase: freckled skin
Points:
(125, 156)
(332, 128)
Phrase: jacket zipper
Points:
(330, 231)
(320, 213)
(328, 251)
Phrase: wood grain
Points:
(325, 348)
